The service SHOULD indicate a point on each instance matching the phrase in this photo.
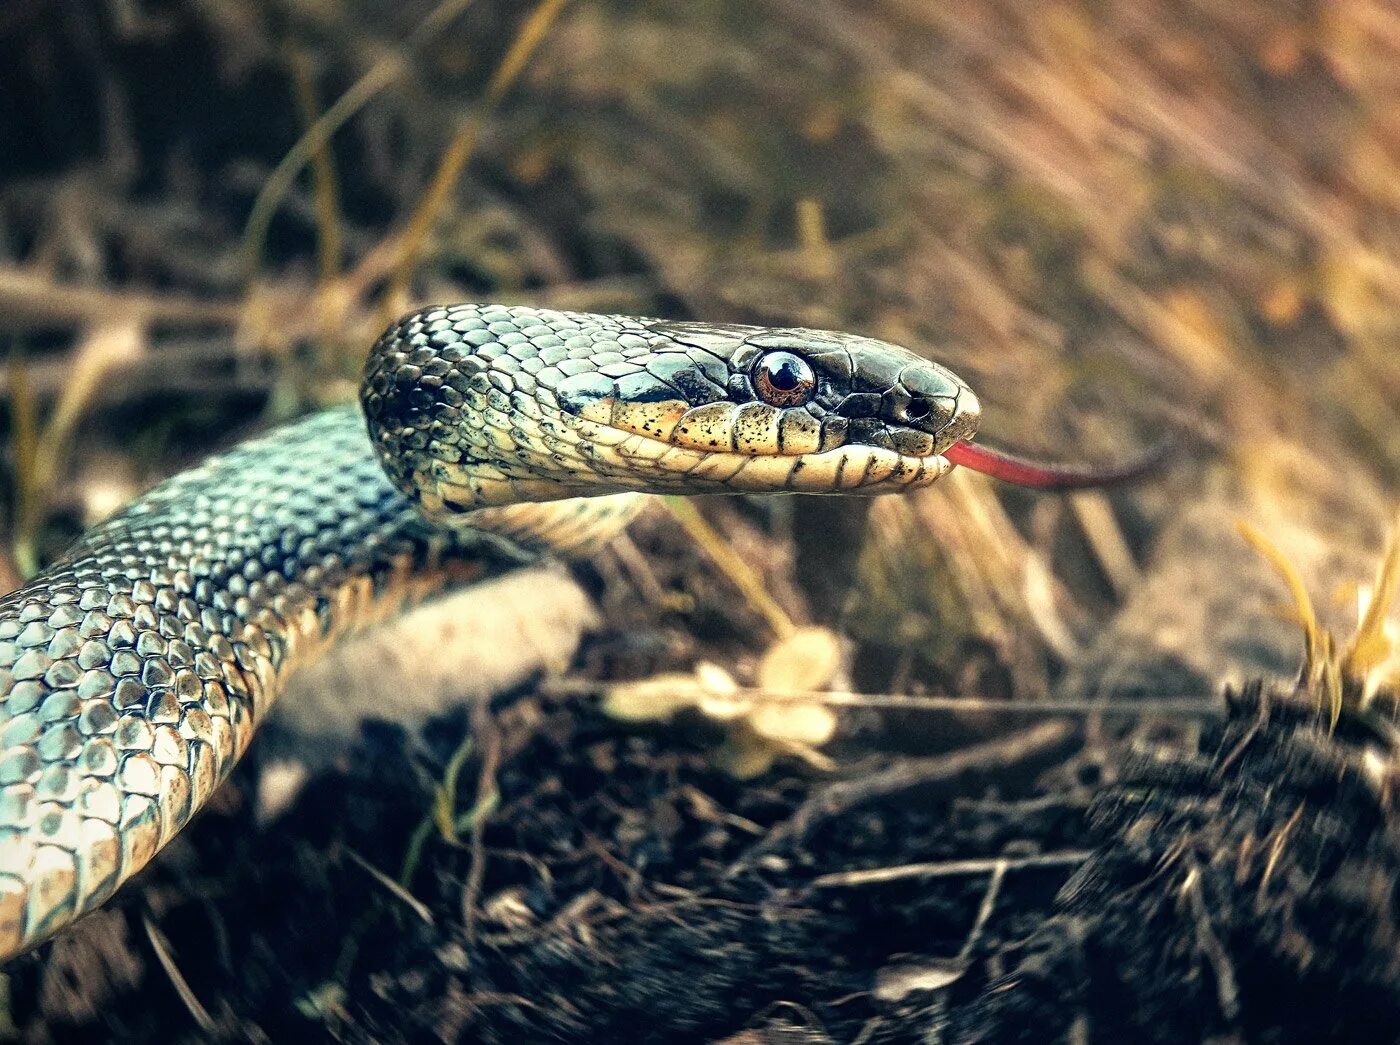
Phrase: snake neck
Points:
(474, 426)
(568, 529)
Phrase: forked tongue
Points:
(1045, 476)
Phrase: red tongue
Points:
(1021, 472)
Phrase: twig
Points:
(1184, 707)
(189, 367)
(993, 758)
(984, 910)
(177, 979)
(28, 298)
(409, 900)
(948, 869)
(487, 795)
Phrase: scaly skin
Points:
(134, 670)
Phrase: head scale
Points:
(479, 405)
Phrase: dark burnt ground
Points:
(1113, 219)
(1242, 889)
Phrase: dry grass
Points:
(1111, 218)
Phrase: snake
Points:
(136, 667)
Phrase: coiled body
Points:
(134, 670)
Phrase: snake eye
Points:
(783, 379)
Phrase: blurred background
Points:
(1120, 222)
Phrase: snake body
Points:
(135, 669)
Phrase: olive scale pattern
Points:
(133, 670)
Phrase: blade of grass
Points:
(328, 302)
(445, 806)
(24, 422)
(192, 1004)
(1369, 646)
(410, 244)
(487, 797)
(39, 452)
(817, 251)
(734, 567)
(379, 76)
(102, 348)
(396, 889)
(440, 814)
(325, 184)
(1302, 602)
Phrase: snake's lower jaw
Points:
(621, 460)
(663, 467)
(861, 470)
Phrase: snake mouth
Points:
(667, 466)
(759, 448)
(757, 429)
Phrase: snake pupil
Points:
(917, 410)
(784, 379)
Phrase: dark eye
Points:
(783, 379)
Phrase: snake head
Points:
(473, 406)
(789, 410)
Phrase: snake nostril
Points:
(917, 410)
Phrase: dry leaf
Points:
(807, 659)
(653, 699)
(746, 755)
(798, 723)
(897, 981)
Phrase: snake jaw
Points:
(624, 462)
(668, 467)
(884, 455)
(756, 448)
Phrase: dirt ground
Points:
(1084, 797)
